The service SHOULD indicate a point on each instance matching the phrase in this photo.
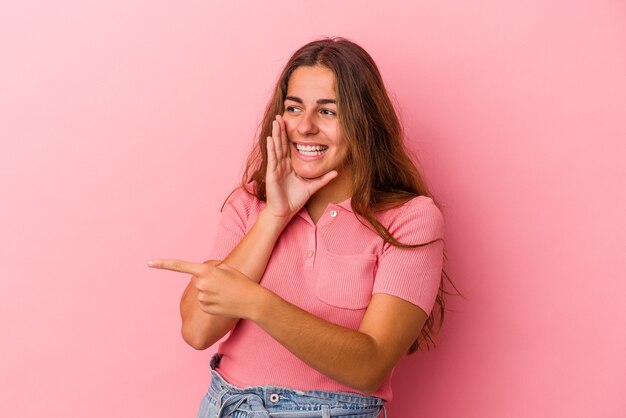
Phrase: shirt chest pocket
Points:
(345, 281)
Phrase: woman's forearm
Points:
(345, 355)
(251, 255)
(200, 329)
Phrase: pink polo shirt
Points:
(330, 269)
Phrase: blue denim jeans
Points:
(225, 400)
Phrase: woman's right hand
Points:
(286, 192)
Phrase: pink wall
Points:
(124, 124)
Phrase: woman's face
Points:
(312, 124)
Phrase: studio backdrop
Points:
(124, 126)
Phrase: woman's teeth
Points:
(311, 150)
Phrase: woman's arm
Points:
(359, 358)
(286, 195)
(200, 329)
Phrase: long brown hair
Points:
(383, 174)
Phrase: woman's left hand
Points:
(222, 290)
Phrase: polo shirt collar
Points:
(346, 204)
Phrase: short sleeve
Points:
(232, 225)
(413, 274)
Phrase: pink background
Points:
(125, 124)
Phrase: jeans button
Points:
(274, 398)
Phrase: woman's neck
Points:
(338, 190)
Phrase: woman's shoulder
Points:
(417, 213)
(243, 200)
(422, 205)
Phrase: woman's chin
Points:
(309, 174)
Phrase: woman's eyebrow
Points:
(320, 101)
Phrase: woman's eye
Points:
(326, 112)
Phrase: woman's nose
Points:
(306, 124)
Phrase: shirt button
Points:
(274, 397)
(310, 254)
(333, 213)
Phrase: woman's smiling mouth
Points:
(310, 150)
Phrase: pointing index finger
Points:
(179, 265)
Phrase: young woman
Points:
(328, 259)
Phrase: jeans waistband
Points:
(269, 398)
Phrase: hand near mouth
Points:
(286, 192)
